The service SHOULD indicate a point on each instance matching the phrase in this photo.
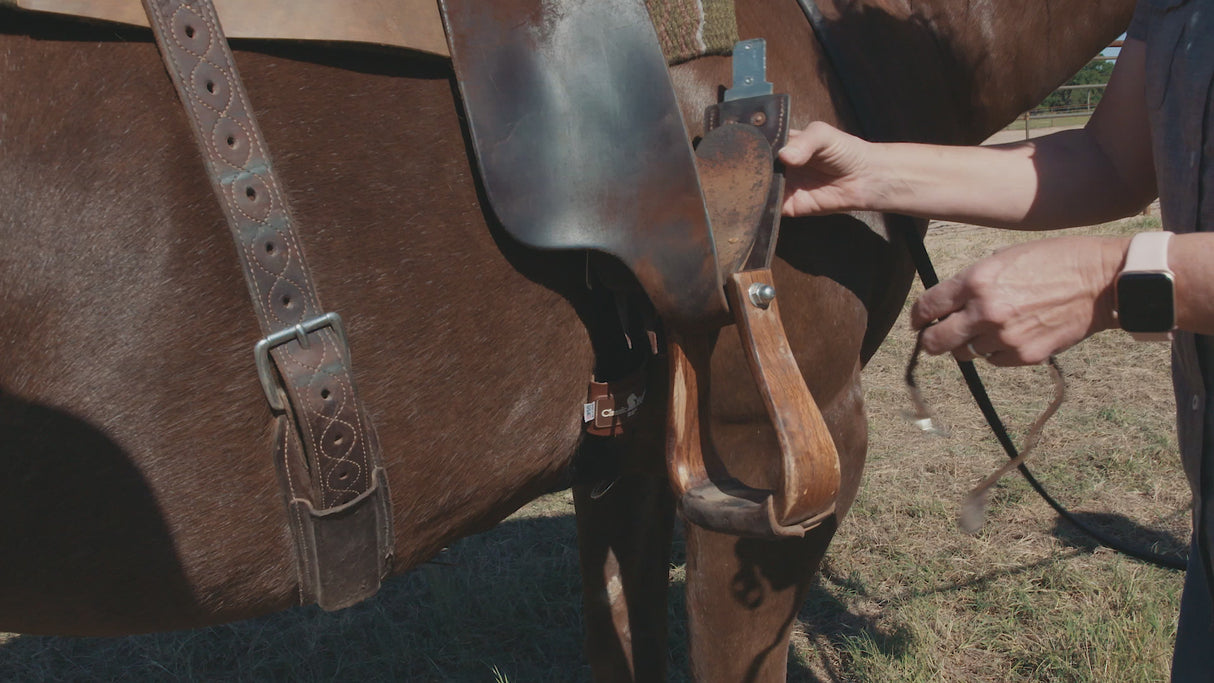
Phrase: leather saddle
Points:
(581, 145)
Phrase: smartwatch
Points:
(1145, 289)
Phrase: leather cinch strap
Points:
(328, 455)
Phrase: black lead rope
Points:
(836, 60)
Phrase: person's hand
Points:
(1024, 303)
(825, 171)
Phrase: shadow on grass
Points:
(1124, 531)
(504, 605)
(833, 624)
(832, 613)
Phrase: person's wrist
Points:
(1110, 263)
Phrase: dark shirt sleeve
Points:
(1138, 25)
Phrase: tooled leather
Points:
(319, 385)
(769, 115)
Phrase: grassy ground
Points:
(905, 596)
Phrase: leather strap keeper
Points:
(341, 535)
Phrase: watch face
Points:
(1144, 302)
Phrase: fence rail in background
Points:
(1082, 112)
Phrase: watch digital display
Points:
(1144, 302)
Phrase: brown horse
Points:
(138, 492)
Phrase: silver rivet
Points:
(748, 80)
(761, 294)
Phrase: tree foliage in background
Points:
(1082, 99)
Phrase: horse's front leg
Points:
(625, 518)
(743, 594)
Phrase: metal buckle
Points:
(261, 352)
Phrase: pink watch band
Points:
(1148, 251)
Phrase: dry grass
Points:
(905, 596)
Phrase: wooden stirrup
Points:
(809, 477)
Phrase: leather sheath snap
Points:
(610, 404)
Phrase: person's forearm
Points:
(1060, 180)
(1078, 177)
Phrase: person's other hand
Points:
(1024, 303)
(825, 171)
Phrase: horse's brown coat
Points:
(138, 492)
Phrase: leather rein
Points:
(839, 62)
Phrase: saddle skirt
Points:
(413, 24)
(580, 144)
(686, 28)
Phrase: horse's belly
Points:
(140, 491)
